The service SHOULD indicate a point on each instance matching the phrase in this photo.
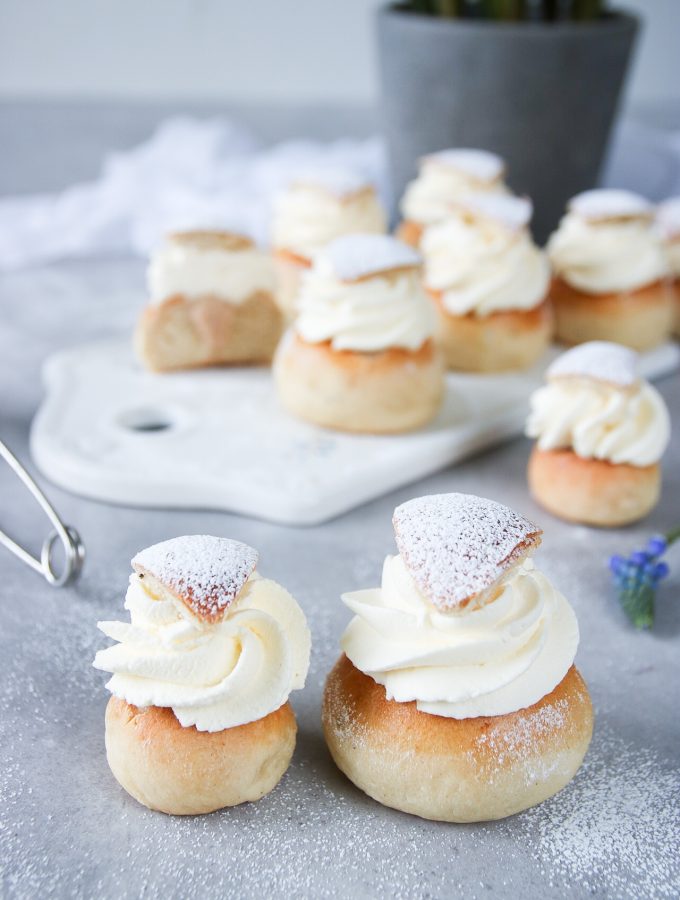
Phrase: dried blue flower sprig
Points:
(637, 576)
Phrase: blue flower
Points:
(637, 576)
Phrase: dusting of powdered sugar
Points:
(600, 360)
(615, 830)
(457, 545)
(207, 573)
(512, 212)
(601, 204)
(478, 164)
(355, 256)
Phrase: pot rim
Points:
(615, 20)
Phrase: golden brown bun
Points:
(183, 333)
(640, 319)
(390, 391)
(499, 342)
(410, 232)
(592, 491)
(288, 269)
(182, 771)
(454, 770)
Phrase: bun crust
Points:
(499, 342)
(184, 333)
(390, 391)
(640, 319)
(410, 232)
(592, 491)
(454, 770)
(182, 771)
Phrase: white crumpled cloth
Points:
(214, 172)
(190, 173)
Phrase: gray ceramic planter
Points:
(543, 96)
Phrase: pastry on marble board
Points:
(668, 222)
(323, 204)
(361, 356)
(600, 433)
(211, 302)
(443, 178)
(611, 275)
(489, 282)
(456, 697)
(199, 717)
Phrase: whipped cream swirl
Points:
(604, 256)
(432, 195)
(482, 267)
(385, 310)
(213, 676)
(193, 271)
(308, 216)
(598, 420)
(501, 657)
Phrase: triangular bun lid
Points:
(599, 360)
(455, 546)
(205, 573)
(353, 257)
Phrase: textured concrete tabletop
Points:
(68, 830)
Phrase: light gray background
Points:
(285, 51)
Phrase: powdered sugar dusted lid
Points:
(455, 546)
(339, 182)
(600, 360)
(600, 205)
(478, 164)
(206, 573)
(356, 256)
(512, 212)
(668, 218)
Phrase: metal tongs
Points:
(74, 550)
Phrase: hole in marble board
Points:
(145, 421)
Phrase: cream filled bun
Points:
(316, 207)
(360, 355)
(611, 274)
(443, 178)
(600, 433)
(457, 698)
(199, 716)
(211, 302)
(490, 284)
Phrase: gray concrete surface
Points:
(68, 830)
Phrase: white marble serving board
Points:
(219, 439)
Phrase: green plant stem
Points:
(673, 535)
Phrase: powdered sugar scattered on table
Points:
(457, 545)
(206, 572)
(600, 360)
(478, 164)
(354, 256)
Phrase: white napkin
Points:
(190, 173)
